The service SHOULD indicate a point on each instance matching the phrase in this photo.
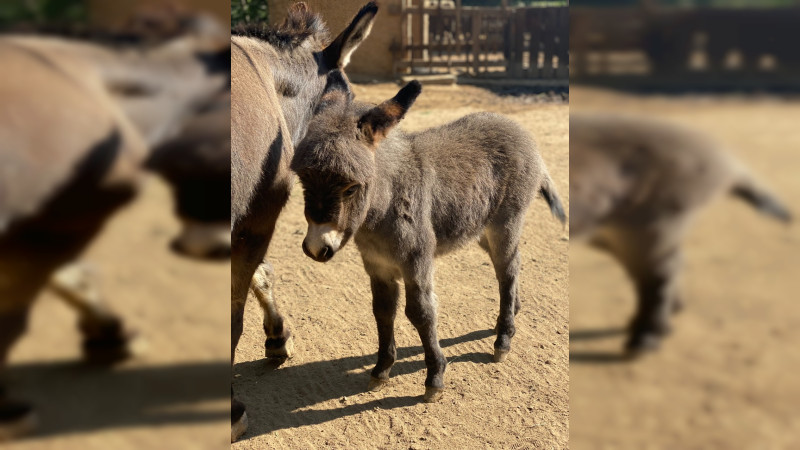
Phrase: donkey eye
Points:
(351, 190)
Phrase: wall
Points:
(373, 59)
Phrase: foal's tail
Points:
(747, 188)
(548, 191)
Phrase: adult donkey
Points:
(58, 187)
(278, 77)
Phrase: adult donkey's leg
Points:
(279, 343)
(17, 418)
(502, 244)
(105, 339)
(421, 311)
(250, 242)
(385, 296)
(247, 251)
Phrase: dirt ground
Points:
(727, 377)
(176, 395)
(318, 398)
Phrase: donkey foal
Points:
(406, 198)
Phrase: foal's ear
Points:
(376, 123)
(337, 54)
(337, 90)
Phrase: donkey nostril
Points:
(326, 252)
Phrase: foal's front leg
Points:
(421, 311)
(385, 295)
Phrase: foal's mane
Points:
(299, 25)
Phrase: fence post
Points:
(476, 45)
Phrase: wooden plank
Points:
(454, 64)
(476, 44)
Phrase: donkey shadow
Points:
(278, 396)
(597, 357)
(73, 397)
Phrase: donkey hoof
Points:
(16, 420)
(238, 428)
(376, 384)
(640, 344)
(500, 355)
(279, 348)
(111, 350)
(432, 394)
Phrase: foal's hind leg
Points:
(502, 244)
(279, 343)
(105, 339)
(653, 259)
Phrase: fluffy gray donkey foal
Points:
(408, 197)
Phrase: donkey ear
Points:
(376, 123)
(337, 89)
(337, 54)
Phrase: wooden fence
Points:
(757, 46)
(530, 43)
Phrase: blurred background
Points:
(170, 389)
(724, 377)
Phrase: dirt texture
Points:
(318, 399)
(727, 376)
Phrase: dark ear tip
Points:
(412, 89)
(369, 8)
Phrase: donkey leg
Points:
(279, 343)
(421, 311)
(17, 418)
(503, 248)
(653, 262)
(238, 413)
(105, 338)
(385, 296)
(657, 301)
(247, 254)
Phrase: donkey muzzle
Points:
(322, 241)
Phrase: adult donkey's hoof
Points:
(432, 394)
(500, 355)
(238, 428)
(114, 348)
(238, 420)
(279, 348)
(17, 420)
(376, 384)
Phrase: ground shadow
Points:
(276, 397)
(597, 333)
(597, 357)
(72, 397)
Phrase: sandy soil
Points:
(174, 396)
(318, 399)
(727, 377)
